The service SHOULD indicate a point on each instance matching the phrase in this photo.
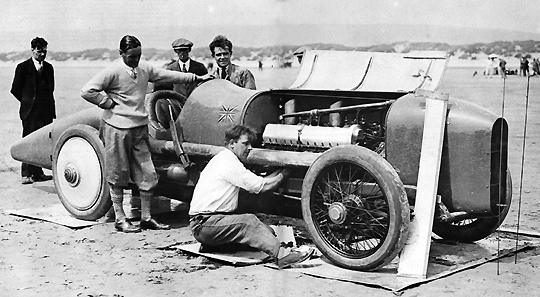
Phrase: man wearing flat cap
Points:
(182, 47)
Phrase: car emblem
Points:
(227, 113)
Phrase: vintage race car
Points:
(350, 128)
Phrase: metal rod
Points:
(500, 174)
(337, 109)
(522, 161)
(295, 94)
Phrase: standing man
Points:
(524, 67)
(215, 198)
(120, 90)
(221, 49)
(33, 86)
(181, 47)
(502, 67)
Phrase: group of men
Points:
(120, 91)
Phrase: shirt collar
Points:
(180, 63)
(228, 69)
(128, 68)
(37, 64)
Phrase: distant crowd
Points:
(496, 66)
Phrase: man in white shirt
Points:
(215, 198)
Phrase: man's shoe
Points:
(126, 227)
(225, 248)
(153, 225)
(294, 257)
(42, 177)
(26, 180)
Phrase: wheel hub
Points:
(71, 174)
(337, 212)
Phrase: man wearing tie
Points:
(182, 47)
(33, 86)
(221, 49)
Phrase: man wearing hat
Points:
(182, 47)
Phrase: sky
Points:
(77, 25)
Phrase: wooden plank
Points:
(413, 260)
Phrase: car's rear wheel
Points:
(79, 173)
(355, 208)
(470, 230)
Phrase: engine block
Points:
(311, 136)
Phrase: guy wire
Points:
(522, 164)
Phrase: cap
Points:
(182, 43)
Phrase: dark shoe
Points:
(41, 178)
(126, 227)
(225, 248)
(153, 225)
(26, 180)
(204, 248)
(294, 257)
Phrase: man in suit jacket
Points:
(33, 86)
(181, 47)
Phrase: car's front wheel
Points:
(355, 208)
(79, 173)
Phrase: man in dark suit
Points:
(33, 86)
(181, 47)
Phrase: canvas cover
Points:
(371, 71)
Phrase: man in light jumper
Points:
(120, 90)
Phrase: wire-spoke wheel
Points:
(355, 208)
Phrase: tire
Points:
(158, 113)
(355, 207)
(470, 230)
(79, 173)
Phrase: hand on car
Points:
(205, 77)
(286, 172)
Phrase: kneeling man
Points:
(215, 198)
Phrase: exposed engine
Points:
(354, 128)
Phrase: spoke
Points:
(338, 178)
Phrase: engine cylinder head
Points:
(311, 136)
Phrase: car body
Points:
(350, 128)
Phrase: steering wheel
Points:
(158, 108)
